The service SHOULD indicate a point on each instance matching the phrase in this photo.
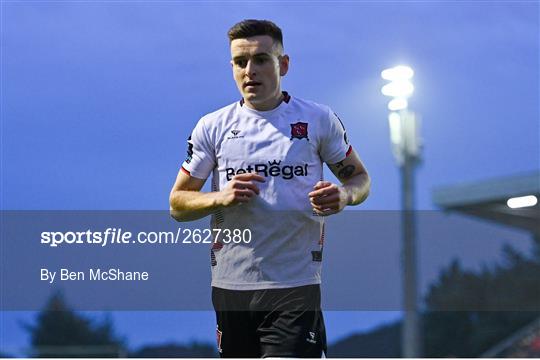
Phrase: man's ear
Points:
(232, 63)
(283, 65)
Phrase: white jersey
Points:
(286, 145)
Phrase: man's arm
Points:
(328, 198)
(188, 203)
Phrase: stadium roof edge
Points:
(487, 200)
(487, 190)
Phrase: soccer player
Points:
(265, 153)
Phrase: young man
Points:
(265, 153)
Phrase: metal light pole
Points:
(406, 146)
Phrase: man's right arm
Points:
(188, 203)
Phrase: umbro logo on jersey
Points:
(299, 131)
(235, 135)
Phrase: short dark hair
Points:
(251, 27)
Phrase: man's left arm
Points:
(328, 198)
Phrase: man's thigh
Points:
(299, 334)
(270, 323)
(236, 330)
(236, 335)
(294, 324)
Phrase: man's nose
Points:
(250, 68)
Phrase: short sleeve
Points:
(334, 145)
(200, 160)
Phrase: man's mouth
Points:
(251, 83)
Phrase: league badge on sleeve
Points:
(344, 131)
(189, 150)
(299, 131)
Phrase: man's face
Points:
(257, 68)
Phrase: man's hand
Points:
(241, 189)
(188, 203)
(327, 198)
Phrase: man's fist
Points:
(327, 198)
(241, 189)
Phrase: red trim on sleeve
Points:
(185, 171)
(349, 151)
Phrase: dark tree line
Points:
(469, 312)
(466, 312)
(60, 332)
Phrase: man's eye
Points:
(241, 63)
(259, 61)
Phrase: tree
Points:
(469, 312)
(61, 332)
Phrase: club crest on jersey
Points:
(299, 130)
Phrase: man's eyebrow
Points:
(263, 54)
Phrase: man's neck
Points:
(270, 105)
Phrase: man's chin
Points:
(253, 98)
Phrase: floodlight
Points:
(401, 88)
(522, 201)
(397, 104)
(396, 73)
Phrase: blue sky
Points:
(98, 97)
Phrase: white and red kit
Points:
(286, 145)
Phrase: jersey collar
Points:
(286, 99)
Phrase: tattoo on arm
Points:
(339, 164)
(346, 172)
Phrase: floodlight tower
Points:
(406, 146)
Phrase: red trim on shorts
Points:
(349, 151)
(185, 171)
